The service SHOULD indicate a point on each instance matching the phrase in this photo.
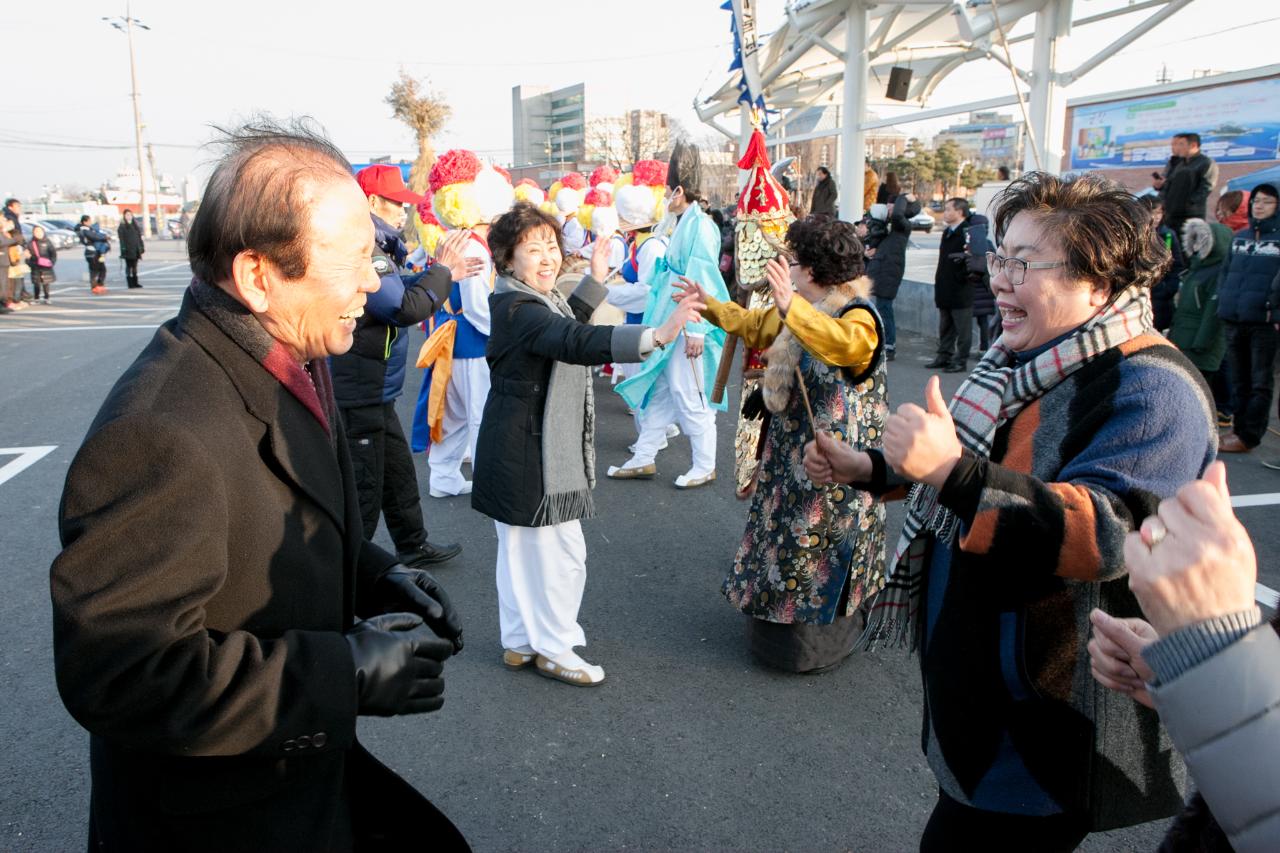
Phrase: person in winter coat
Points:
(10, 246)
(889, 264)
(368, 379)
(96, 246)
(952, 291)
(1196, 328)
(977, 244)
(870, 187)
(1249, 305)
(131, 247)
(1206, 663)
(1166, 290)
(1067, 433)
(824, 193)
(1233, 210)
(536, 453)
(889, 190)
(43, 257)
(1188, 180)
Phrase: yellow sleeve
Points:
(757, 327)
(848, 341)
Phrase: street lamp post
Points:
(126, 25)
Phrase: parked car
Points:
(64, 224)
(922, 221)
(62, 238)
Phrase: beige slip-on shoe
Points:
(640, 472)
(684, 481)
(514, 660)
(583, 675)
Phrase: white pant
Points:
(675, 400)
(463, 410)
(542, 572)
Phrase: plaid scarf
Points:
(310, 383)
(993, 394)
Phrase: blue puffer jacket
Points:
(372, 371)
(1249, 286)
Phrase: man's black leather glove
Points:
(753, 406)
(398, 663)
(401, 588)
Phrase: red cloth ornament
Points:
(574, 181)
(762, 195)
(603, 175)
(455, 166)
(598, 198)
(426, 214)
(649, 173)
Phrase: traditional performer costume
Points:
(568, 194)
(639, 203)
(671, 388)
(429, 233)
(466, 194)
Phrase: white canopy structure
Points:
(850, 46)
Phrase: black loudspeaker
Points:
(899, 83)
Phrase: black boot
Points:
(957, 367)
(428, 554)
(939, 361)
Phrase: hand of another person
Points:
(687, 311)
(1115, 655)
(398, 665)
(921, 444)
(451, 252)
(1193, 561)
(827, 460)
(693, 346)
(779, 276)
(600, 258)
(688, 287)
(402, 589)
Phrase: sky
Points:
(69, 119)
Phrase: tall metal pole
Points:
(853, 142)
(137, 125)
(1044, 150)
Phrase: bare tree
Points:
(425, 111)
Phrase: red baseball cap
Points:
(386, 181)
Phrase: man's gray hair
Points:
(256, 196)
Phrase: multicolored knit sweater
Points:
(1013, 720)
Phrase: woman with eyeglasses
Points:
(810, 556)
(1069, 432)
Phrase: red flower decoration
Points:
(649, 173)
(455, 166)
(425, 213)
(503, 172)
(598, 198)
(604, 175)
(574, 181)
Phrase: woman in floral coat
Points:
(810, 555)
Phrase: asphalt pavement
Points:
(689, 745)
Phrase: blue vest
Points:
(631, 274)
(468, 342)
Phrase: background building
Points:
(987, 139)
(548, 125)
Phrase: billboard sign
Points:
(1237, 122)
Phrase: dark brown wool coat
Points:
(212, 558)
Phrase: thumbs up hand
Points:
(921, 444)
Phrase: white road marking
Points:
(27, 456)
(1266, 596)
(1269, 499)
(83, 312)
(141, 273)
(10, 331)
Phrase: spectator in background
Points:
(889, 190)
(953, 292)
(1188, 180)
(131, 247)
(1165, 291)
(1233, 210)
(889, 263)
(18, 268)
(43, 256)
(1205, 662)
(10, 249)
(1249, 304)
(96, 246)
(870, 186)
(1196, 329)
(824, 193)
(976, 245)
(13, 212)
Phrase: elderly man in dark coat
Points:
(220, 621)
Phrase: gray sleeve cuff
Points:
(590, 292)
(1186, 648)
(628, 343)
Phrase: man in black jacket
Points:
(369, 378)
(219, 619)
(824, 193)
(889, 262)
(1188, 180)
(953, 291)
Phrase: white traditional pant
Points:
(542, 572)
(463, 410)
(675, 399)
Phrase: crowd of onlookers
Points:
(34, 257)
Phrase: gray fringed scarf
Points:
(568, 428)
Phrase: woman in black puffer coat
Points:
(131, 247)
(889, 265)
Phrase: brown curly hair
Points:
(510, 228)
(1108, 237)
(830, 248)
